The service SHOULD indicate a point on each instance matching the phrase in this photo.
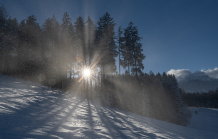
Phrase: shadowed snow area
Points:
(28, 110)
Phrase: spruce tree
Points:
(65, 48)
(121, 44)
(30, 46)
(52, 42)
(3, 36)
(12, 46)
(107, 49)
(90, 30)
(72, 50)
(80, 42)
(132, 51)
(49, 50)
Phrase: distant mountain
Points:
(197, 82)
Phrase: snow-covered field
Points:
(28, 110)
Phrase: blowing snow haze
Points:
(200, 81)
(97, 69)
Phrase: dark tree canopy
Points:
(131, 50)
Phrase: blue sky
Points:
(177, 34)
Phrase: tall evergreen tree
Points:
(90, 30)
(29, 46)
(33, 33)
(105, 38)
(66, 38)
(132, 51)
(3, 36)
(65, 55)
(52, 44)
(121, 45)
(80, 42)
(12, 46)
(57, 44)
(72, 50)
(90, 38)
(48, 52)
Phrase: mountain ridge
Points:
(197, 83)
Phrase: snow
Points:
(205, 119)
(28, 110)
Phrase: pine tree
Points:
(29, 46)
(48, 51)
(12, 46)
(66, 38)
(65, 48)
(22, 51)
(132, 51)
(57, 41)
(33, 31)
(80, 42)
(52, 42)
(105, 40)
(121, 44)
(72, 50)
(3, 36)
(90, 30)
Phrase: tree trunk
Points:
(70, 71)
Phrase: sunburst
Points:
(87, 72)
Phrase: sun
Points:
(86, 72)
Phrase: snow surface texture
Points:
(28, 110)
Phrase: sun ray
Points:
(81, 79)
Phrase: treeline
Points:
(206, 99)
(156, 96)
(56, 52)
(55, 55)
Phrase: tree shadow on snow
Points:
(38, 112)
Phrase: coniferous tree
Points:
(65, 53)
(121, 45)
(29, 46)
(57, 43)
(80, 42)
(72, 50)
(90, 30)
(12, 46)
(22, 51)
(90, 38)
(33, 35)
(48, 50)
(107, 49)
(3, 36)
(80, 47)
(51, 41)
(132, 51)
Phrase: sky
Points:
(177, 34)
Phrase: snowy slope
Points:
(205, 119)
(29, 110)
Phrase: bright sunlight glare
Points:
(87, 72)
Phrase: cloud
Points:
(186, 72)
(179, 72)
(211, 73)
